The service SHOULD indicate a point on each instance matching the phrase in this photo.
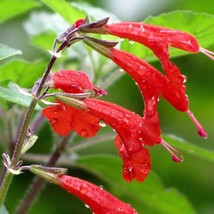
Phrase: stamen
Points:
(201, 130)
(208, 53)
(175, 157)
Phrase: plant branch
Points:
(24, 128)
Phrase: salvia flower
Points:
(95, 198)
(151, 82)
(158, 39)
(134, 133)
(64, 118)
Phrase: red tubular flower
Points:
(98, 200)
(150, 81)
(157, 39)
(64, 119)
(133, 134)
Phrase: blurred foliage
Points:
(184, 188)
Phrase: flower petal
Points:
(60, 118)
(85, 124)
(135, 165)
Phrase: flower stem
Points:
(23, 131)
(5, 186)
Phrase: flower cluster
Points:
(76, 110)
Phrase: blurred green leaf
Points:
(21, 72)
(190, 148)
(149, 196)
(10, 9)
(6, 52)
(95, 12)
(65, 9)
(201, 25)
(15, 96)
(3, 210)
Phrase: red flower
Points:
(133, 134)
(98, 200)
(64, 119)
(158, 39)
(150, 81)
(71, 81)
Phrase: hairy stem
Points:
(24, 128)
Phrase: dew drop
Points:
(130, 28)
(121, 70)
(121, 39)
(184, 78)
(131, 42)
(102, 124)
(84, 133)
(86, 205)
(83, 189)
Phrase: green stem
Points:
(5, 186)
(22, 135)
(23, 132)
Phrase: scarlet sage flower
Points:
(158, 39)
(64, 118)
(150, 81)
(94, 197)
(97, 199)
(133, 134)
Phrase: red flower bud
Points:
(72, 81)
(97, 199)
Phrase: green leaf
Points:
(149, 196)
(201, 25)
(183, 145)
(6, 52)
(3, 210)
(65, 9)
(95, 12)
(21, 72)
(15, 96)
(13, 8)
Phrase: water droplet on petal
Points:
(86, 205)
(83, 189)
(130, 28)
(102, 124)
(121, 39)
